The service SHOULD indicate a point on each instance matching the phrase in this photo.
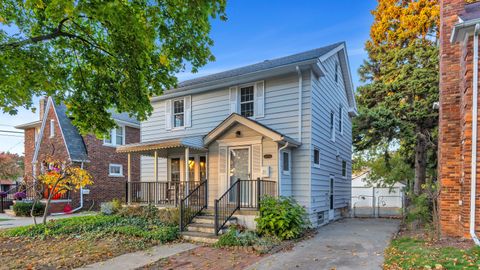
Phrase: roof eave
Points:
(225, 82)
(462, 28)
(29, 125)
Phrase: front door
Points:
(239, 168)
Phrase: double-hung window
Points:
(178, 113)
(332, 125)
(344, 168)
(115, 137)
(247, 99)
(316, 157)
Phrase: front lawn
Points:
(77, 241)
(4, 219)
(412, 253)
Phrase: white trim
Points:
(239, 98)
(113, 137)
(346, 169)
(240, 141)
(40, 135)
(126, 123)
(173, 113)
(340, 119)
(61, 129)
(316, 148)
(111, 165)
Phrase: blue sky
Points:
(260, 30)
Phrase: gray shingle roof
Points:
(472, 11)
(267, 64)
(124, 117)
(73, 140)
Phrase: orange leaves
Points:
(63, 177)
(399, 22)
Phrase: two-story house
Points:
(53, 135)
(278, 127)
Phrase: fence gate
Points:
(377, 202)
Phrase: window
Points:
(344, 168)
(332, 125)
(340, 120)
(115, 170)
(178, 113)
(286, 162)
(246, 101)
(52, 128)
(116, 137)
(332, 184)
(203, 168)
(316, 157)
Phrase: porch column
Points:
(129, 178)
(187, 170)
(155, 172)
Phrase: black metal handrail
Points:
(226, 206)
(193, 204)
(159, 193)
(241, 194)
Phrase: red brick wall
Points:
(106, 188)
(455, 126)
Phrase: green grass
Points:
(4, 219)
(409, 253)
(98, 226)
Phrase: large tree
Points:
(11, 166)
(401, 75)
(98, 55)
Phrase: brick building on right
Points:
(458, 170)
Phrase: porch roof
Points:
(194, 142)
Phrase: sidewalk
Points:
(24, 221)
(140, 258)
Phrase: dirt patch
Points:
(55, 253)
(207, 258)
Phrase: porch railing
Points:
(241, 194)
(159, 193)
(193, 204)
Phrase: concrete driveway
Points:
(345, 244)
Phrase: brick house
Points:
(54, 135)
(458, 164)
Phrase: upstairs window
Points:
(115, 137)
(178, 113)
(340, 120)
(52, 128)
(332, 125)
(247, 97)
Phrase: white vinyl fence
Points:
(377, 202)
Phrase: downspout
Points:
(300, 90)
(473, 184)
(280, 167)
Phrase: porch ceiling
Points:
(163, 146)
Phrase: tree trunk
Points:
(47, 204)
(420, 163)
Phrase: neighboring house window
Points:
(316, 157)
(344, 168)
(178, 113)
(332, 125)
(286, 163)
(340, 120)
(115, 170)
(116, 136)
(52, 128)
(247, 96)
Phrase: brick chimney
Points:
(42, 105)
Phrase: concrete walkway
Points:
(343, 245)
(140, 258)
(24, 221)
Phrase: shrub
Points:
(282, 217)
(169, 216)
(117, 205)
(22, 209)
(420, 210)
(107, 208)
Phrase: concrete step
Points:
(201, 237)
(210, 219)
(204, 228)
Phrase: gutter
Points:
(300, 90)
(473, 181)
